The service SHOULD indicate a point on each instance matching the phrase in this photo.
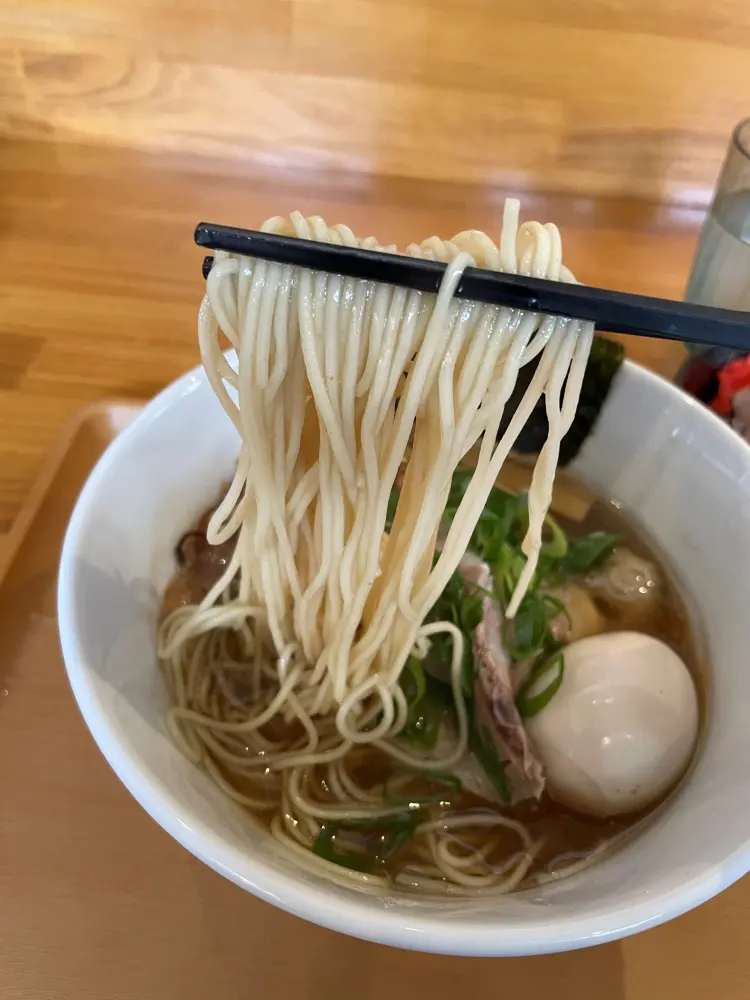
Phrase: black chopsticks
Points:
(616, 312)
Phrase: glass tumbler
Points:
(720, 273)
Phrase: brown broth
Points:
(567, 836)
(672, 621)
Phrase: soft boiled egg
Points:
(622, 727)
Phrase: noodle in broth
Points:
(286, 675)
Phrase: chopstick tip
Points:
(201, 233)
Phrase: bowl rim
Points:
(312, 900)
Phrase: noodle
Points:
(338, 387)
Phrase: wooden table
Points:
(100, 285)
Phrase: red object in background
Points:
(731, 378)
(699, 378)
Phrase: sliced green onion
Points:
(507, 569)
(413, 681)
(588, 552)
(482, 746)
(489, 536)
(440, 647)
(530, 700)
(443, 779)
(555, 607)
(396, 833)
(526, 635)
(425, 700)
(423, 727)
(470, 611)
(324, 847)
(390, 846)
(557, 545)
(502, 504)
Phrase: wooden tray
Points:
(97, 902)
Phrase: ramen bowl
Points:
(683, 476)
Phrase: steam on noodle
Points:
(341, 386)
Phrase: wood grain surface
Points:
(98, 903)
(100, 281)
(122, 124)
(604, 97)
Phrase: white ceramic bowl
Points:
(686, 478)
